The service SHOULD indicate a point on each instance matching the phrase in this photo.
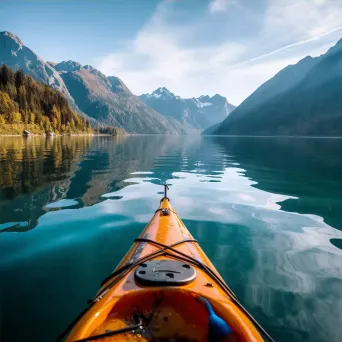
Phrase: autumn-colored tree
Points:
(72, 125)
(16, 118)
(55, 124)
(23, 101)
(56, 116)
(32, 118)
(7, 106)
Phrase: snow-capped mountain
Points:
(103, 100)
(109, 101)
(199, 113)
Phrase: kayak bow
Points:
(165, 289)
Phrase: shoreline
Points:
(59, 135)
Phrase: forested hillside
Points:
(28, 105)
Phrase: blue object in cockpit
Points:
(218, 329)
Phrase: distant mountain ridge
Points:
(16, 55)
(108, 100)
(302, 99)
(199, 113)
(104, 100)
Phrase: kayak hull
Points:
(170, 310)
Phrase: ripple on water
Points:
(64, 203)
(262, 220)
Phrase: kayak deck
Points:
(164, 289)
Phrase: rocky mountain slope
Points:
(16, 55)
(106, 101)
(26, 104)
(109, 101)
(198, 113)
(302, 99)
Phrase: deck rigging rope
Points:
(164, 250)
(136, 326)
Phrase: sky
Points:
(192, 47)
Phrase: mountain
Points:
(211, 130)
(26, 104)
(199, 113)
(106, 101)
(16, 55)
(302, 99)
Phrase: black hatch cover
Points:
(164, 273)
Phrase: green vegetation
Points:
(25, 166)
(110, 130)
(28, 105)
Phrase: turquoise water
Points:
(267, 211)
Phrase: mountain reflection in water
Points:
(267, 211)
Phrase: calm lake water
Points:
(267, 211)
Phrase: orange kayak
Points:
(165, 289)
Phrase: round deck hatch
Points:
(164, 273)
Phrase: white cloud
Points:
(303, 18)
(218, 5)
(288, 47)
(166, 60)
(160, 56)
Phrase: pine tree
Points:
(19, 78)
(4, 74)
(24, 101)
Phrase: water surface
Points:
(267, 211)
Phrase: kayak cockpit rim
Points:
(163, 250)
